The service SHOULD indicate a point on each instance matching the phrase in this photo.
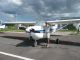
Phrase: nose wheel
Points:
(34, 41)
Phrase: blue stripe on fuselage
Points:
(40, 31)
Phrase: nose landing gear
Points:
(31, 38)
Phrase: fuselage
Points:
(39, 32)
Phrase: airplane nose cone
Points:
(32, 30)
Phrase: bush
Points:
(70, 27)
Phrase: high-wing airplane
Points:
(42, 29)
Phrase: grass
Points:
(73, 32)
(11, 30)
(67, 30)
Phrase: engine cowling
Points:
(32, 30)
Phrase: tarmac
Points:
(15, 46)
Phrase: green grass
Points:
(67, 30)
(73, 32)
(11, 30)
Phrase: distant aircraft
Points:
(42, 29)
(2, 26)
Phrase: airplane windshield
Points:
(40, 22)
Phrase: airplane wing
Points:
(64, 21)
(49, 22)
(19, 22)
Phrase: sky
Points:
(32, 10)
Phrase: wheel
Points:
(57, 41)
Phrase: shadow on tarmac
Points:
(26, 42)
(65, 42)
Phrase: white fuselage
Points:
(40, 32)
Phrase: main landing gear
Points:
(57, 41)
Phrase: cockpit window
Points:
(40, 22)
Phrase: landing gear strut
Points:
(57, 41)
(35, 43)
(47, 43)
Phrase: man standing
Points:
(47, 32)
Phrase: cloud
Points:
(39, 8)
(17, 2)
(52, 8)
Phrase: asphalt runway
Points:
(15, 46)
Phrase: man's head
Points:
(46, 24)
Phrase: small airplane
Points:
(42, 29)
(2, 26)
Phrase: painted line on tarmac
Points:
(15, 56)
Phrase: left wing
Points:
(64, 21)
(20, 22)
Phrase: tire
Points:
(57, 41)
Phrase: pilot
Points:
(47, 32)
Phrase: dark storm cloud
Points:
(55, 8)
(43, 8)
